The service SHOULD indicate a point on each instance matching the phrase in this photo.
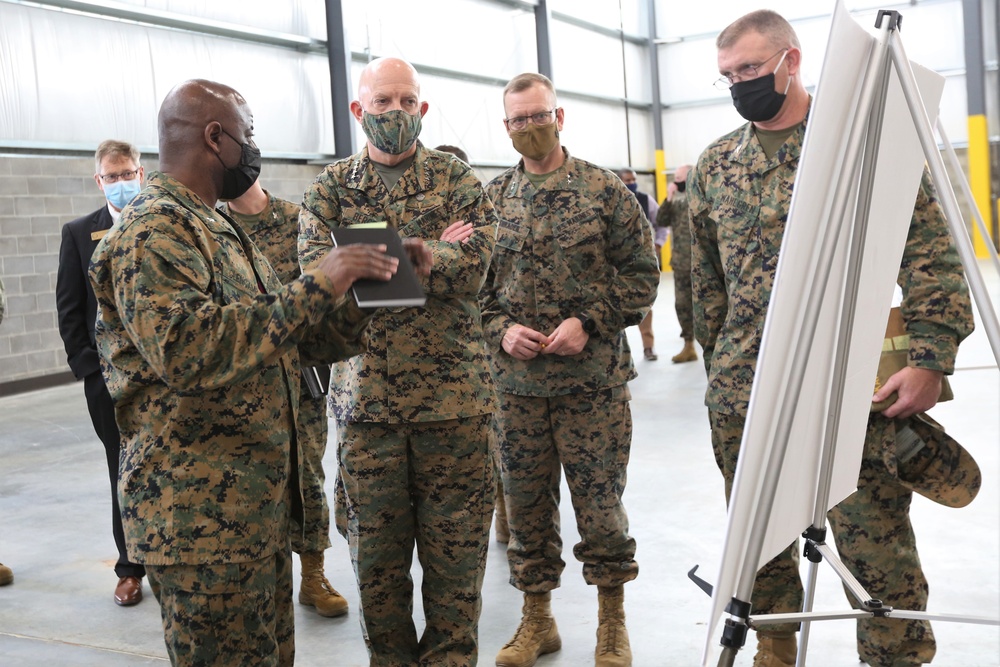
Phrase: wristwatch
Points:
(588, 324)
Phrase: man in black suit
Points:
(119, 176)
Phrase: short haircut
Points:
(522, 82)
(768, 23)
(626, 170)
(115, 148)
(454, 150)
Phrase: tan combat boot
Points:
(613, 649)
(687, 354)
(536, 635)
(6, 575)
(316, 591)
(775, 649)
(502, 529)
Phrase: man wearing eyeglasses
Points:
(739, 199)
(574, 266)
(119, 177)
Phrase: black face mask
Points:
(237, 180)
(757, 100)
(681, 185)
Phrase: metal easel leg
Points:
(946, 195)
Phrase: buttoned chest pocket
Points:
(230, 284)
(511, 235)
(583, 246)
(582, 229)
(425, 216)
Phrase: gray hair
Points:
(115, 148)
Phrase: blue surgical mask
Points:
(121, 193)
(633, 187)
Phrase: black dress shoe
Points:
(128, 591)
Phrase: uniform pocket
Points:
(583, 228)
(511, 235)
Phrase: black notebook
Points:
(402, 290)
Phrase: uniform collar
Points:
(560, 179)
(748, 151)
(361, 175)
(215, 219)
(179, 191)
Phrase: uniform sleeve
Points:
(339, 336)
(664, 215)
(936, 305)
(496, 320)
(319, 204)
(636, 276)
(708, 286)
(172, 305)
(71, 307)
(460, 268)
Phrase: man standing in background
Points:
(273, 225)
(675, 214)
(119, 176)
(649, 209)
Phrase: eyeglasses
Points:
(120, 176)
(749, 72)
(520, 122)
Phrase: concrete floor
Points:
(55, 534)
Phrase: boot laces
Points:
(323, 583)
(609, 639)
(527, 619)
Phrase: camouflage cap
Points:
(934, 464)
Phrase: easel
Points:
(887, 53)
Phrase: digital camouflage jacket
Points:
(578, 244)
(422, 364)
(739, 201)
(197, 339)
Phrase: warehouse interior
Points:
(635, 80)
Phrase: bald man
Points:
(414, 410)
(197, 338)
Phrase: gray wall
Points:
(37, 196)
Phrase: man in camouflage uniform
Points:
(739, 198)
(573, 267)
(198, 339)
(413, 412)
(273, 225)
(676, 215)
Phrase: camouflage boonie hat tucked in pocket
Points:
(933, 464)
